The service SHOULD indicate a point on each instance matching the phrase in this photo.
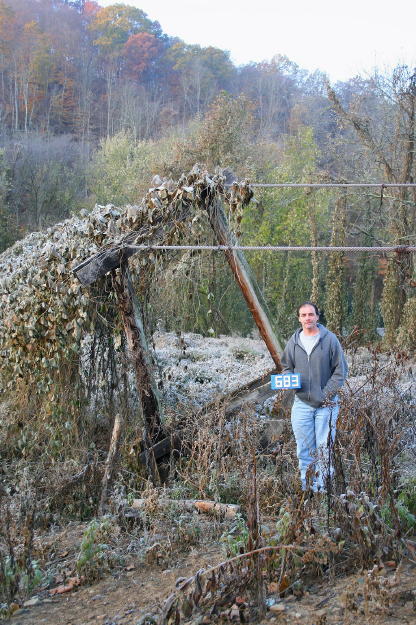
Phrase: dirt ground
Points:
(130, 592)
(121, 599)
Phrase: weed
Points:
(283, 525)
(407, 518)
(179, 491)
(188, 532)
(407, 495)
(20, 573)
(16, 578)
(234, 540)
(217, 451)
(95, 558)
(241, 353)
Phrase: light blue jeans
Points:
(314, 445)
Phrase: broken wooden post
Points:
(139, 355)
(254, 537)
(110, 462)
(237, 263)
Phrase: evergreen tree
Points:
(335, 280)
(8, 227)
(363, 309)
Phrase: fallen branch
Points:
(71, 583)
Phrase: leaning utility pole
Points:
(238, 264)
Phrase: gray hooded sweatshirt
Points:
(322, 373)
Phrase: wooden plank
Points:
(256, 396)
(163, 448)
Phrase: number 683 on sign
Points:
(285, 381)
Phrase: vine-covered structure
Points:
(46, 312)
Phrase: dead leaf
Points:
(13, 607)
(72, 582)
(284, 584)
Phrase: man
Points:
(316, 354)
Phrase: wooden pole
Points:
(139, 354)
(236, 261)
(254, 537)
(110, 463)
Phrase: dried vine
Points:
(217, 585)
(45, 313)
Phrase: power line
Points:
(290, 248)
(400, 249)
(382, 185)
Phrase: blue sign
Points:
(285, 381)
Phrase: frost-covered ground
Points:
(365, 367)
(198, 369)
(195, 370)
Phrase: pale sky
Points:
(340, 38)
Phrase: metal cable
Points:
(383, 185)
(289, 248)
(279, 248)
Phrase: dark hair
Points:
(309, 304)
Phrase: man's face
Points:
(308, 318)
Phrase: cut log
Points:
(224, 510)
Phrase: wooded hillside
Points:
(96, 101)
(74, 67)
